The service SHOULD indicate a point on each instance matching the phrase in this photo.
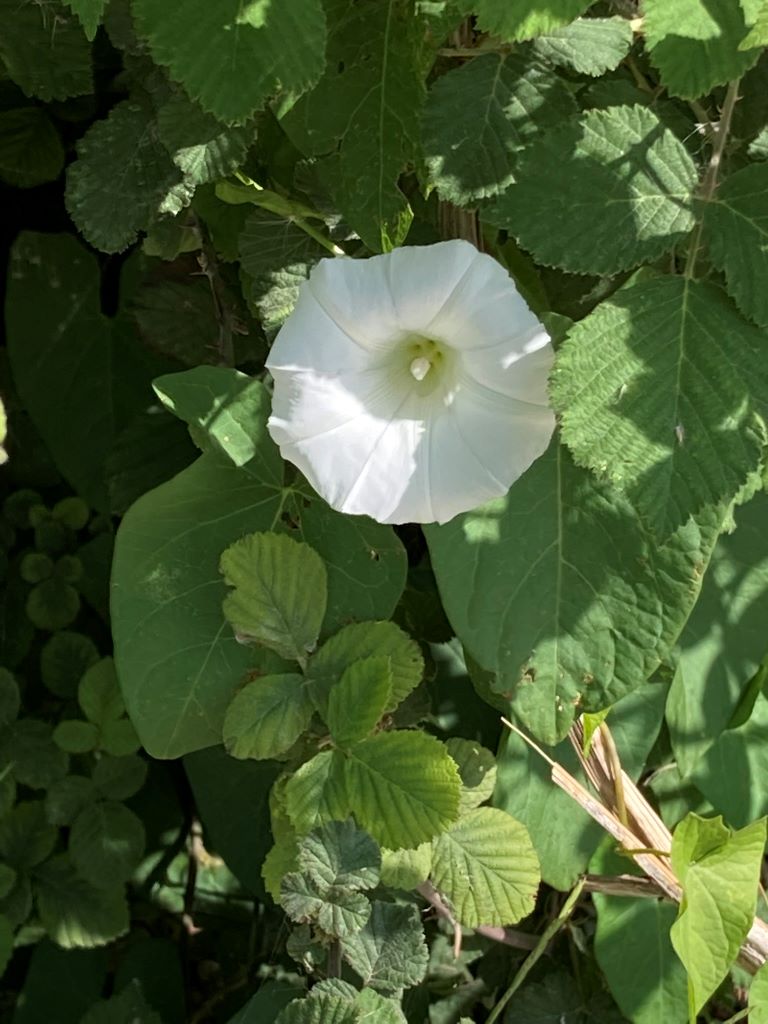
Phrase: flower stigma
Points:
(420, 367)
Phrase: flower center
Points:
(420, 367)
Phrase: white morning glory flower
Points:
(412, 386)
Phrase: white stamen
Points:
(420, 367)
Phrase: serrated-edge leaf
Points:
(403, 787)
(526, 18)
(389, 953)
(267, 716)
(357, 701)
(634, 387)
(697, 45)
(120, 178)
(736, 232)
(601, 194)
(480, 115)
(363, 640)
(486, 866)
(280, 593)
(316, 792)
(591, 46)
(231, 57)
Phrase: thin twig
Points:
(532, 959)
(709, 181)
(506, 936)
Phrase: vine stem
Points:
(532, 959)
(709, 182)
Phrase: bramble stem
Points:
(709, 182)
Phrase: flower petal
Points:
(501, 370)
(484, 308)
(422, 279)
(355, 295)
(310, 340)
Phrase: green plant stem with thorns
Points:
(709, 182)
(530, 961)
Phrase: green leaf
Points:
(106, 843)
(478, 117)
(405, 869)
(558, 1000)
(37, 761)
(26, 838)
(202, 148)
(340, 854)
(403, 787)
(70, 980)
(10, 697)
(601, 194)
(66, 798)
(276, 257)
(31, 152)
(120, 178)
(317, 792)
(279, 595)
(758, 33)
(633, 386)
(271, 998)
(63, 661)
(90, 13)
(324, 1009)
(696, 44)
(119, 778)
(118, 738)
(99, 694)
(53, 604)
(357, 701)
(56, 327)
(733, 773)
(758, 997)
(477, 768)
(719, 871)
(231, 57)
(150, 450)
(178, 683)
(127, 1007)
(389, 953)
(366, 566)
(590, 46)
(723, 643)
(44, 50)
(8, 878)
(563, 834)
(365, 112)
(486, 866)
(736, 222)
(267, 716)
(338, 911)
(365, 640)
(381, 1009)
(231, 797)
(596, 604)
(526, 18)
(222, 407)
(76, 737)
(650, 986)
(74, 912)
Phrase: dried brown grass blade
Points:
(644, 829)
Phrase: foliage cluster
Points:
(233, 778)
